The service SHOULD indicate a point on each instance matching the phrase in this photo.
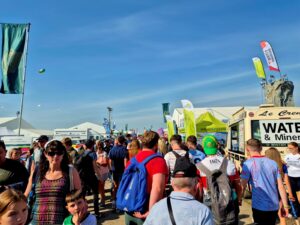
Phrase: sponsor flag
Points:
(166, 111)
(14, 41)
(269, 55)
(260, 72)
(106, 126)
(189, 118)
(170, 126)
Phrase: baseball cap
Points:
(210, 145)
(184, 168)
(43, 138)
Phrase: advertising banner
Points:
(14, 38)
(279, 131)
(259, 69)
(170, 126)
(269, 55)
(166, 111)
(189, 118)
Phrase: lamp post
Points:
(109, 117)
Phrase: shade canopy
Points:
(206, 122)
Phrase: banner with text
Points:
(269, 55)
(279, 131)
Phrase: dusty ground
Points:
(112, 218)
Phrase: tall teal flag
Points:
(14, 38)
(166, 110)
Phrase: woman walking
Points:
(51, 184)
(103, 170)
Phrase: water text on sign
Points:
(279, 131)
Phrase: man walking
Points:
(177, 151)
(157, 174)
(116, 160)
(12, 173)
(87, 169)
(181, 207)
(196, 154)
(73, 154)
(265, 179)
(214, 162)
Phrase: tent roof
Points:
(6, 119)
(36, 132)
(221, 113)
(93, 126)
(208, 123)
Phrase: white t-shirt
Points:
(171, 159)
(293, 164)
(214, 163)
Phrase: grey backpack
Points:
(222, 203)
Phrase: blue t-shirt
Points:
(196, 156)
(117, 154)
(262, 173)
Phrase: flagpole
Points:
(25, 67)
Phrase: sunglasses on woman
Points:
(55, 153)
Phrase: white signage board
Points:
(279, 131)
(16, 140)
(73, 134)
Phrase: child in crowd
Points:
(78, 208)
(13, 207)
(15, 154)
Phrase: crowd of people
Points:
(151, 179)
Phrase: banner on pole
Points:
(106, 126)
(269, 55)
(170, 126)
(14, 38)
(260, 72)
(165, 107)
(189, 118)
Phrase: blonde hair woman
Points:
(273, 153)
(162, 146)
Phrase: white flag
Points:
(269, 54)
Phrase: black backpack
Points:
(84, 165)
(219, 186)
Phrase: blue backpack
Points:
(132, 193)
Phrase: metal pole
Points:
(25, 67)
(109, 117)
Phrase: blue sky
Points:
(133, 55)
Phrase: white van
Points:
(274, 126)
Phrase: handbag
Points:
(32, 195)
